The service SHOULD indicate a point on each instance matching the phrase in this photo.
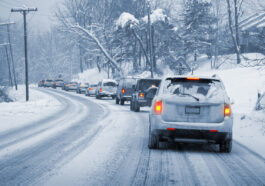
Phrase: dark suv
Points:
(125, 90)
(144, 91)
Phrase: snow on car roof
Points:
(109, 80)
(194, 76)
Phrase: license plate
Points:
(192, 110)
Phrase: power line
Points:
(25, 10)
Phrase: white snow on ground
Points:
(18, 113)
(242, 85)
(91, 76)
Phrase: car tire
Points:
(226, 146)
(136, 107)
(153, 142)
(131, 108)
(117, 101)
(122, 102)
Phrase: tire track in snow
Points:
(28, 165)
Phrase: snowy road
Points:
(95, 142)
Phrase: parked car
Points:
(81, 88)
(91, 90)
(48, 83)
(58, 83)
(71, 86)
(125, 90)
(139, 97)
(191, 110)
(106, 88)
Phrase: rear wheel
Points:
(122, 102)
(136, 107)
(117, 101)
(153, 142)
(226, 146)
(131, 107)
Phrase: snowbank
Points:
(18, 113)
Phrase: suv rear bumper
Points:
(156, 123)
(126, 98)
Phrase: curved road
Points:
(95, 142)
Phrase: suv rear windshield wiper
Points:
(185, 94)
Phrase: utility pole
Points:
(25, 10)
(11, 51)
(150, 38)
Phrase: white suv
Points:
(106, 88)
(191, 110)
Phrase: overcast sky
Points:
(38, 21)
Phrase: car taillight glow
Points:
(100, 90)
(213, 130)
(171, 129)
(158, 107)
(227, 110)
(141, 95)
(90, 88)
(69, 85)
(123, 91)
(193, 78)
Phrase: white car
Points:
(91, 90)
(191, 110)
(106, 88)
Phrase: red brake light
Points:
(123, 91)
(90, 88)
(171, 129)
(69, 85)
(100, 90)
(158, 107)
(141, 95)
(193, 78)
(227, 110)
(213, 130)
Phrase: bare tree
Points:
(234, 27)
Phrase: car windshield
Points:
(145, 84)
(203, 88)
(110, 84)
(93, 85)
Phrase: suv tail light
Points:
(141, 95)
(123, 90)
(227, 110)
(90, 88)
(158, 107)
(69, 85)
(100, 90)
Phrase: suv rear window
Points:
(110, 84)
(48, 80)
(128, 83)
(144, 84)
(93, 85)
(207, 88)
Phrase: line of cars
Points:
(184, 109)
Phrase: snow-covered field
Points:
(19, 113)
